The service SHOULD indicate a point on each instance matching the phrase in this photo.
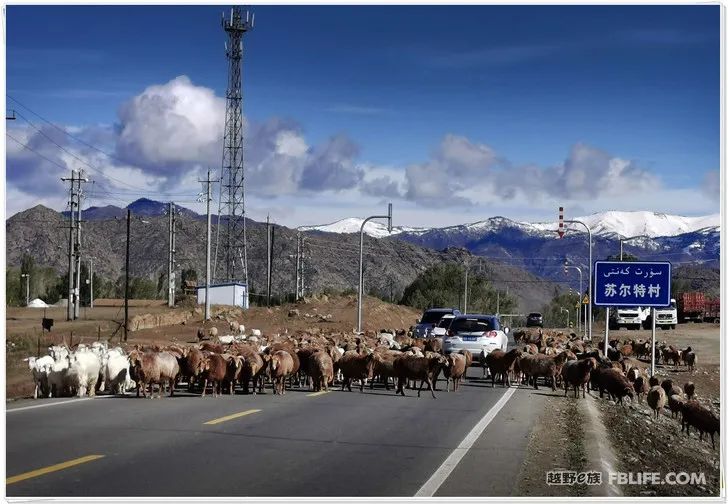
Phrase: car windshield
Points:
(534, 315)
(432, 317)
(445, 322)
(473, 325)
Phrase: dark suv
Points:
(534, 319)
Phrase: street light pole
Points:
(27, 287)
(591, 281)
(361, 260)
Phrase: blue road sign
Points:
(643, 284)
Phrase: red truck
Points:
(691, 306)
(712, 310)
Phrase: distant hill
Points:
(143, 207)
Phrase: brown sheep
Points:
(321, 370)
(191, 365)
(501, 363)
(433, 345)
(656, 399)
(534, 366)
(153, 367)
(354, 366)
(667, 385)
(700, 417)
(200, 333)
(689, 357)
(418, 368)
(640, 387)
(468, 362)
(577, 373)
(234, 367)
(653, 381)
(253, 368)
(214, 370)
(212, 347)
(616, 385)
(632, 374)
(455, 370)
(689, 390)
(382, 365)
(279, 367)
(675, 402)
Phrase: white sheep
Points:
(84, 372)
(256, 332)
(40, 368)
(116, 372)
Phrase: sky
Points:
(454, 114)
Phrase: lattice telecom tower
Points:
(233, 254)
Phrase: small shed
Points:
(230, 294)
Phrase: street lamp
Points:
(621, 245)
(27, 287)
(581, 292)
(591, 299)
(361, 259)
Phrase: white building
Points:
(231, 294)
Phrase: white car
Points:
(475, 333)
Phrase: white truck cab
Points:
(666, 318)
(631, 317)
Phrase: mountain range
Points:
(530, 252)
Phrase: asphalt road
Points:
(333, 444)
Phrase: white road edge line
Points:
(10, 410)
(451, 462)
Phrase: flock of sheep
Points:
(568, 361)
(392, 358)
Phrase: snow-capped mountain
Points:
(372, 228)
(628, 224)
(612, 223)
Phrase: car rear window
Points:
(445, 322)
(432, 317)
(534, 314)
(473, 325)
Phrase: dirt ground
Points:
(336, 314)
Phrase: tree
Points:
(443, 286)
(27, 267)
(625, 257)
(554, 316)
(13, 287)
(189, 274)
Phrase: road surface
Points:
(302, 444)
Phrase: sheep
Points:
(689, 358)
(468, 362)
(212, 347)
(354, 366)
(235, 326)
(418, 368)
(455, 370)
(40, 367)
(321, 370)
(700, 417)
(667, 385)
(640, 387)
(83, 372)
(689, 390)
(153, 367)
(116, 372)
(214, 370)
(534, 366)
(57, 377)
(577, 374)
(656, 399)
(279, 367)
(253, 368)
(653, 381)
(382, 365)
(501, 363)
(433, 345)
(256, 333)
(226, 340)
(675, 402)
(200, 333)
(191, 365)
(212, 332)
(633, 374)
(616, 385)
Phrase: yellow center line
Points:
(231, 417)
(318, 393)
(50, 469)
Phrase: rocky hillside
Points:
(331, 260)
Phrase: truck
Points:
(691, 307)
(631, 317)
(665, 318)
(712, 310)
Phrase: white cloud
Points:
(711, 184)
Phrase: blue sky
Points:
(414, 96)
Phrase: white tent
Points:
(37, 303)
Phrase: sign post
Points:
(643, 284)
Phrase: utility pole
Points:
(268, 258)
(208, 198)
(170, 256)
(27, 287)
(298, 264)
(465, 295)
(303, 264)
(126, 287)
(71, 243)
(91, 281)
(77, 289)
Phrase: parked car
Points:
(475, 333)
(534, 319)
(430, 319)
